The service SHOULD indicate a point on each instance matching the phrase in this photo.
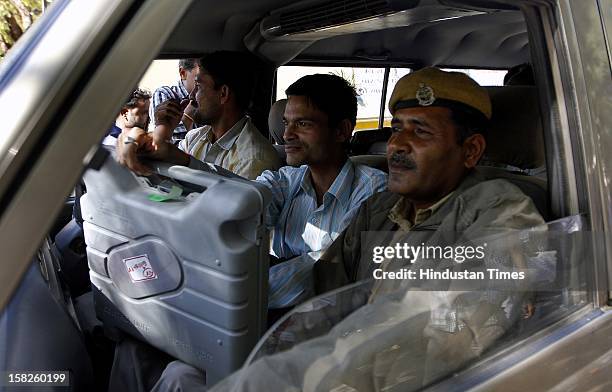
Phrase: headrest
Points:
(275, 120)
(515, 134)
(376, 161)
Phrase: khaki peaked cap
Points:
(434, 87)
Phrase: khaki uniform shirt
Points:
(475, 208)
(400, 213)
(242, 150)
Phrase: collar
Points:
(400, 212)
(115, 131)
(229, 138)
(339, 189)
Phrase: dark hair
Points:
(468, 124)
(233, 69)
(188, 64)
(136, 96)
(331, 94)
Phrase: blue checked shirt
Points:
(303, 229)
(165, 93)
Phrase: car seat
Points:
(277, 128)
(515, 142)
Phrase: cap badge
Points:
(425, 95)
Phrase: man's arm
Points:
(130, 142)
(190, 110)
(160, 95)
(278, 184)
(135, 142)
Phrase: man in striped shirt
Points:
(188, 70)
(315, 198)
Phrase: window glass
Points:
(394, 75)
(530, 277)
(484, 77)
(368, 83)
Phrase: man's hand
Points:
(130, 143)
(189, 114)
(191, 108)
(163, 150)
(135, 143)
(168, 115)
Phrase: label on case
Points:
(139, 268)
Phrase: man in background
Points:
(228, 137)
(188, 69)
(134, 113)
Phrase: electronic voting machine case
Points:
(179, 260)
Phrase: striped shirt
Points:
(303, 229)
(164, 93)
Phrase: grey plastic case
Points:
(189, 276)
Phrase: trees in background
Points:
(15, 18)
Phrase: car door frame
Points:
(68, 77)
(571, 351)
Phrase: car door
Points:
(59, 86)
(573, 354)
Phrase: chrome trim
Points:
(589, 67)
(518, 352)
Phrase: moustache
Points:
(399, 159)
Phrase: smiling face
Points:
(425, 160)
(309, 139)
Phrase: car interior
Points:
(209, 308)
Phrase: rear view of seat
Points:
(515, 143)
(370, 148)
(277, 128)
(187, 275)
